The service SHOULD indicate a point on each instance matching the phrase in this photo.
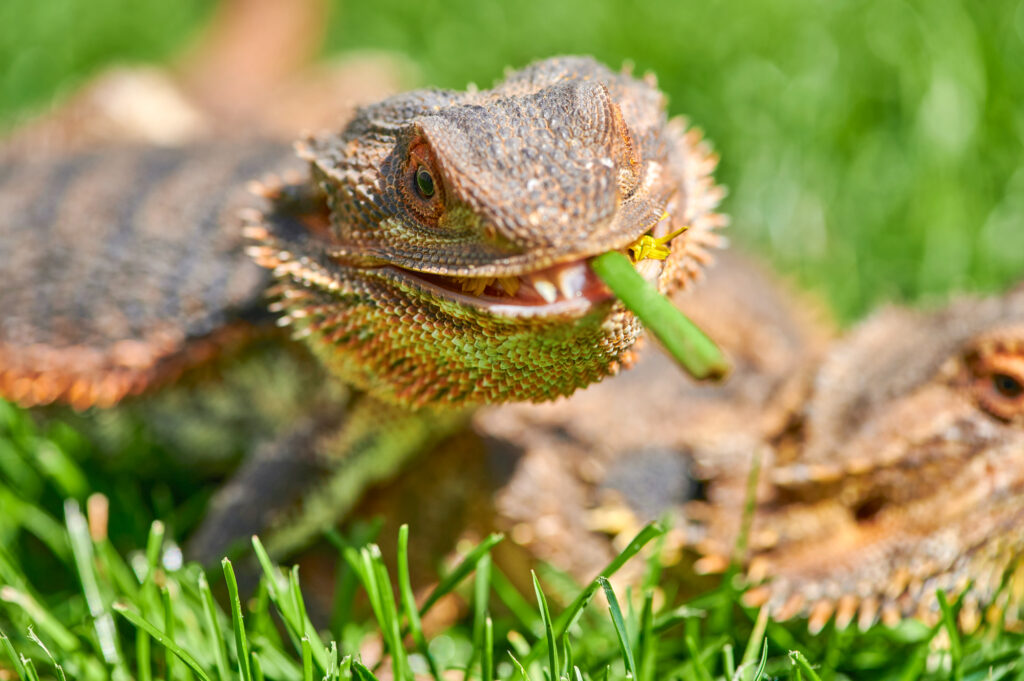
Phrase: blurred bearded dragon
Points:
(890, 461)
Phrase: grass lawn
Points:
(874, 151)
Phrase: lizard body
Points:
(123, 268)
(368, 266)
(434, 249)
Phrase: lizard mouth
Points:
(563, 288)
(569, 288)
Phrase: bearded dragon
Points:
(432, 250)
(891, 460)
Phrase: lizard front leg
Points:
(296, 487)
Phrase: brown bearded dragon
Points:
(891, 460)
(432, 250)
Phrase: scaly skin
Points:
(904, 474)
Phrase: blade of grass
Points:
(388, 618)
(691, 648)
(345, 591)
(568, 660)
(412, 614)
(160, 638)
(307, 660)
(681, 338)
(257, 668)
(759, 672)
(154, 542)
(565, 620)
(143, 656)
(519, 666)
(481, 592)
(30, 669)
(728, 661)
(103, 621)
(620, 626)
(211, 615)
(15, 658)
(800, 662)
(549, 633)
(331, 674)
(237, 623)
(955, 646)
(171, 663)
(361, 672)
(487, 656)
(519, 607)
(283, 594)
(316, 645)
(46, 621)
(518, 642)
(60, 670)
(645, 535)
(756, 638)
(648, 640)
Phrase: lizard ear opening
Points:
(624, 149)
(997, 378)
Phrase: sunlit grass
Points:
(77, 601)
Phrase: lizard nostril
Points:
(868, 508)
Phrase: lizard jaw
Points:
(568, 288)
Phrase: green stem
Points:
(697, 353)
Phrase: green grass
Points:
(73, 605)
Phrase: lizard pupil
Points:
(424, 182)
(1007, 386)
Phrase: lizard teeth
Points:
(510, 284)
(476, 285)
(546, 289)
(571, 281)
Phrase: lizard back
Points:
(122, 267)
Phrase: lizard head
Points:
(449, 264)
(908, 477)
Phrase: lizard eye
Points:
(424, 182)
(998, 383)
(423, 193)
(1007, 386)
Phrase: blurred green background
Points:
(872, 148)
